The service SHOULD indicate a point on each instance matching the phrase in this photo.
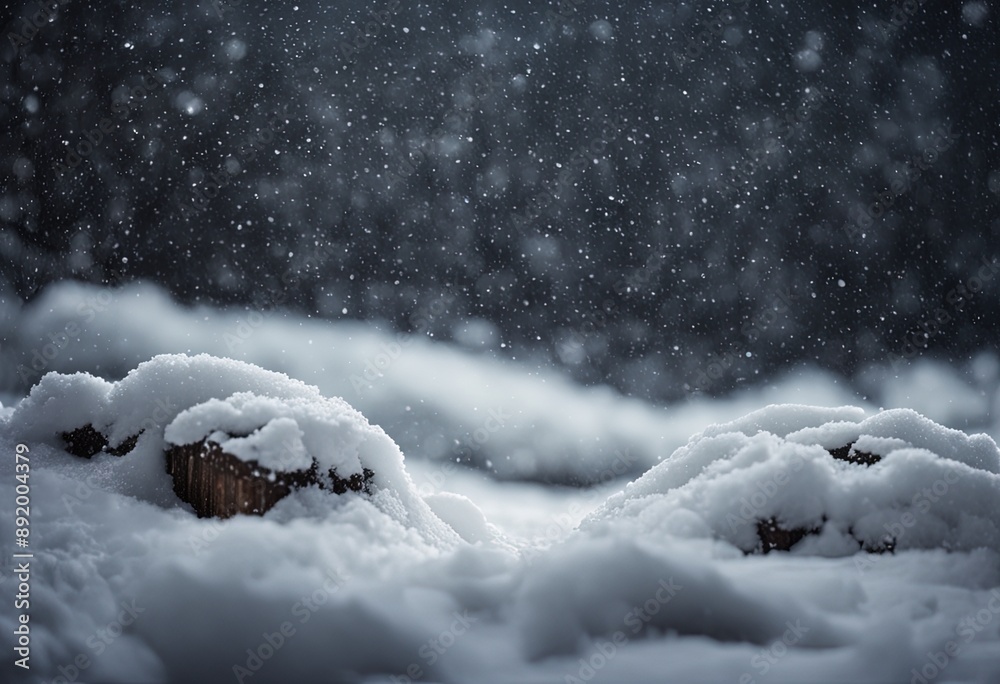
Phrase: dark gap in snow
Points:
(847, 453)
(86, 441)
(773, 537)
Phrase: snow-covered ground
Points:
(448, 403)
(495, 572)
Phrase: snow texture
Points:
(654, 585)
(434, 400)
(263, 416)
(932, 488)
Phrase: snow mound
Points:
(355, 588)
(819, 481)
(256, 415)
(463, 515)
(280, 434)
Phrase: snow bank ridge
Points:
(821, 481)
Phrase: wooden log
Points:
(218, 484)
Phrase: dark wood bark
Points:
(219, 484)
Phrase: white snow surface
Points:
(280, 434)
(933, 487)
(450, 574)
(265, 417)
(436, 401)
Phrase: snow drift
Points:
(438, 402)
(259, 416)
(925, 486)
(656, 585)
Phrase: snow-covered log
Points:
(234, 438)
(821, 481)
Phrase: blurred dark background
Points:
(723, 215)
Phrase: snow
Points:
(60, 403)
(263, 416)
(951, 400)
(516, 421)
(276, 446)
(280, 434)
(682, 313)
(464, 517)
(452, 571)
(933, 487)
